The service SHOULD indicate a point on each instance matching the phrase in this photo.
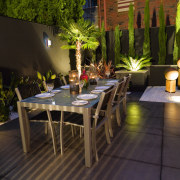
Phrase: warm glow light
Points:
(49, 43)
(175, 98)
(134, 64)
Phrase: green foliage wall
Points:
(131, 30)
(49, 12)
(103, 42)
(176, 53)
(117, 48)
(146, 43)
(162, 36)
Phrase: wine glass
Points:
(97, 78)
(50, 87)
(81, 84)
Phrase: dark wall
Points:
(22, 48)
(139, 38)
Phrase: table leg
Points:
(24, 127)
(87, 137)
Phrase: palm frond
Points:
(68, 47)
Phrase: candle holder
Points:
(92, 78)
(74, 82)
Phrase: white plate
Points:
(113, 81)
(65, 87)
(97, 91)
(79, 102)
(110, 84)
(56, 91)
(102, 87)
(87, 96)
(44, 95)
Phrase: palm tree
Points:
(80, 35)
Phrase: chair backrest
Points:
(118, 91)
(58, 82)
(27, 90)
(127, 80)
(104, 102)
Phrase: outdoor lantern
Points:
(74, 82)
(171, 75)
(92, 78)
(178, 64)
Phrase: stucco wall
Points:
(22, 48)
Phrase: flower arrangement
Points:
(103, 69)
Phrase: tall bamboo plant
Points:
(146, 43)
(80, 35)
(103, 42)
(176, 53)
(131, 30)
(117, 48)
(162, 36)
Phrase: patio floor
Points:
(146, 147)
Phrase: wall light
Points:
(47, 40)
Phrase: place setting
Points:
(101, 87)
(83, 99)
(65, 87)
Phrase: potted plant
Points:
(134, 66)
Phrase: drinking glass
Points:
(50, 87)
(81, 84)
(97, 78)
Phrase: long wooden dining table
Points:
(59, 102)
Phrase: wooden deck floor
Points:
(146, 147)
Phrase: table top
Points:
(64, 98)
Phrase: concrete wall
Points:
(22, 48)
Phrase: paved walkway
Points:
(146, 147)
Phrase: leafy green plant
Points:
(6, 98)
(117, 48)
(176, 52)
(80, 35)
(48, 76)
(103, 42)
(134, 64)
(162, 36)
(131, 30)
(49, 12)
(146, 43)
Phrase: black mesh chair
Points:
(58, 82)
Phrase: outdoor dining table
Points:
(60, 102)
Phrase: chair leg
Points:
(61, 133)
(107, 133)
(46, 128)
(72, 130)
(124, 105)
(110, 125)
(81, 130)
(118, 116)
(94, 144)
(52, 132)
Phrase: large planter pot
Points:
(138, 78)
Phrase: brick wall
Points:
(113, 17)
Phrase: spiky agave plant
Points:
(134, 64)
